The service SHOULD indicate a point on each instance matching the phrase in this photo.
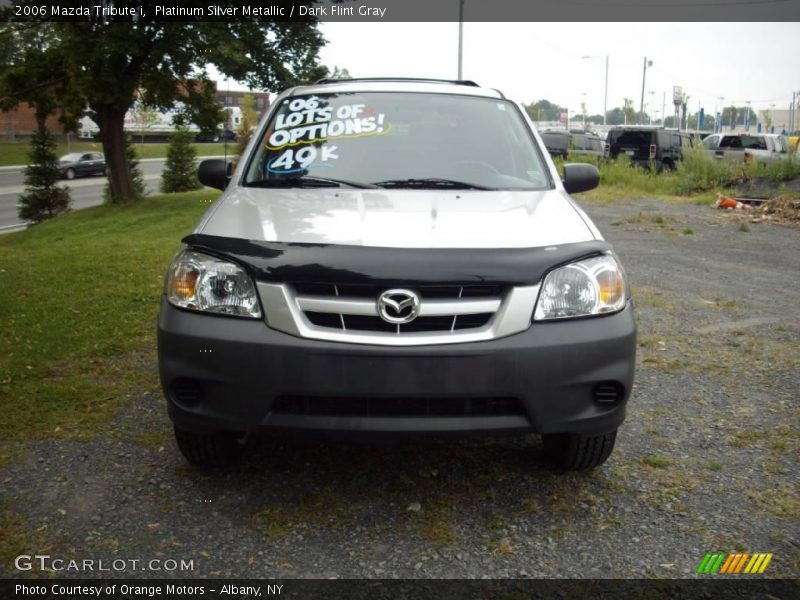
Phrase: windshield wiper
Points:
(431, 183)
(309, 181)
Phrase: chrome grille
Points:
(447, 314)
(351, 307)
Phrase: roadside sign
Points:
(564, 116)
(677, 94)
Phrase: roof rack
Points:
(327, 80)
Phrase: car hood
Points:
(399, 218)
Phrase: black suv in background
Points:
(648, 146)
(563, 143)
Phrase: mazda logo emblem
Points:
(398, 306)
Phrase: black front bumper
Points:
(237, 372)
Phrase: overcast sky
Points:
(759, 62)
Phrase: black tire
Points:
(209, 449)
(577, 451)
(70, 174)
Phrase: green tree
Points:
(247, 123)
(30, 73)
(43, 198)
(733, 113)
(615, 116)
(338, 73)
(180, 171)
(629, 111)
(144, 116)
(543, 110)
(106, 60)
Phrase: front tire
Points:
(578, 451)
(70, 174)
(209, 449)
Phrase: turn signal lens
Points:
(183, 283)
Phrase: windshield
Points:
(398, 140)
(630, 138)
(74, 157)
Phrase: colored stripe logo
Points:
(734, 563)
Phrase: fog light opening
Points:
(608, 392)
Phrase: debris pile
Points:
(781, 209)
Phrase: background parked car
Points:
(648, 146)
(556, 142)
(563, 143)
(765, 148)
(226, 135)
(77, 164)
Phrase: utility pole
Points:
(644, 77)
(460, 37)
(747, 117)
(605, 93)
(605, 97)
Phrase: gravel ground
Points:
(706, 460)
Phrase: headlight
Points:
(588, 287)
(201, 282)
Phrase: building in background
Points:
(21, 121)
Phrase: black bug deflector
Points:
(322, 263)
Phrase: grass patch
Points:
(663, 363)
(657, 461)
(13, 536)
(779, 446)
(154, 439)
(16, 153)
(688, 231)
(434, 523)
(322, 507)
(780, 501)
(746, 438)
(650, 297)
(531, 506)
(504, 547)
(80, 295)
(714, 465)
(273, 523)
(647, 218)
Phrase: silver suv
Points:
(396, 256)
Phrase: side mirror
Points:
(215, 173)
(580, 177)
